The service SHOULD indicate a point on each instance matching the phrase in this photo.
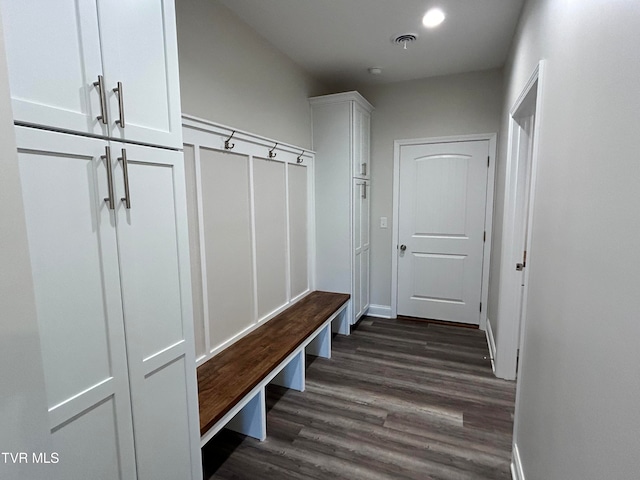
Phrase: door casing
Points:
(486, 262)
(512, 310)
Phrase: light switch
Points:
(383, 222)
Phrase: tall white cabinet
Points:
(341, 140)
(107, 231)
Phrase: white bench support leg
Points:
(292, 375)
(321, 345)
(252, 419)
(340, 324)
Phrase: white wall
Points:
(23, 407)
(577, 414)
(441, 106)
(231, 75)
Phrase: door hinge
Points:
(484, 237)
(488, 160)
(480, 307)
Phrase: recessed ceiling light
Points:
(433, 18)
(375, 70)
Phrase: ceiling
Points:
(338, 40)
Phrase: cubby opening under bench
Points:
(231, 385)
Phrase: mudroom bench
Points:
(231, 385)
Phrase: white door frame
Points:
(511, 311)
(488, 219)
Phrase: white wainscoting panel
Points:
(250, 217)
(226, 215)
(270, 202)
(298, 234)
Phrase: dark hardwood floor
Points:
(398, 400)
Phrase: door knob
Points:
(403, 248)
(519, 267)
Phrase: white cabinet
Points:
(112, 292)
(106, 68)
(74, 259)
(107, 230)
(341, 139)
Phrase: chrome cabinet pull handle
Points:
(107, 158)
(125, 170)
(364, 190)
(103, 100)
(119, 92)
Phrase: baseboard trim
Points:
(379, 311)
(491, 342)
(516, 464)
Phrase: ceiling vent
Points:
(404, 39)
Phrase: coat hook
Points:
(227, 144)
(299, 159)
(272, 154)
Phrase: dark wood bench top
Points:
(231, 374)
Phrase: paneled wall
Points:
(251, 222)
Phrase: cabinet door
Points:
(364, 280)
(358, 193)
(53, 53)
(156, 294)
(366, 145)
(72, 242)
(140, 51)
(361, 134)
(356, 140)
(356, 298)
(365, 203)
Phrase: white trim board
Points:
(517, 473)
(491, 343)
(196, 123)
(379, 311)
(486, 263)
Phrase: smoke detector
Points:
(404, 39)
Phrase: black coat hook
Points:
(227, 144)
(299, 159)
(272, 154)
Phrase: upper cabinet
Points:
(107, 68)
(361, 133)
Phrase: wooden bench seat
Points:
(233, 377)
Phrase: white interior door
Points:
(154, 265)
(521, 234)
(72, 242)
(443, 193)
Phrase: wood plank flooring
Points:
(398, 400)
